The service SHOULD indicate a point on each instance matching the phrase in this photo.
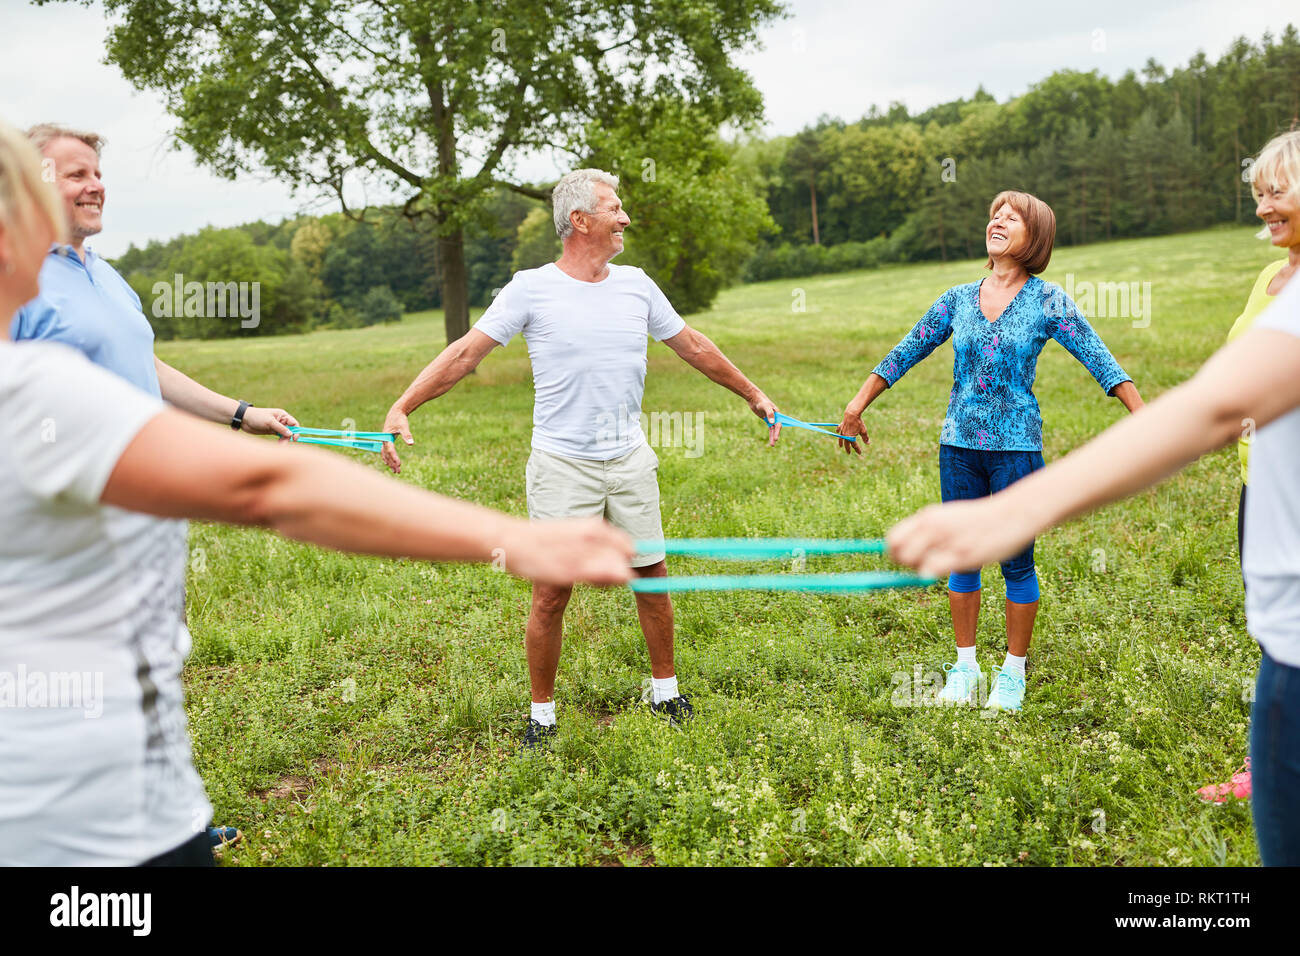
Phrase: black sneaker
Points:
(538, 735)
(678, 710)
(222, 837)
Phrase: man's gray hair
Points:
(45, 133)
(576, 192)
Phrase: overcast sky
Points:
(830, 58)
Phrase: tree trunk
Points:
(1236, 169)
(943, 247)
(455, 284)
(812, 186)
(1083, 210)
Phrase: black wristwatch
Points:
(238, 421)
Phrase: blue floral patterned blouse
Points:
(992, 405)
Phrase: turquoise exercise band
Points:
(826, 583)
(819, 427)
(358, 441)
(754, 549)
(340, 443)
(335, 433)
(747, 549)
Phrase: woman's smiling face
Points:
(1005, 232)
(1279, 207)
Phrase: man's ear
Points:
(578, 219)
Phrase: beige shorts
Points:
(624, 491)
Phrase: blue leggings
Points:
(966, 473)
(1275, 763)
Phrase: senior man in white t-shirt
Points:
(586, 322)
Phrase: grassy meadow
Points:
(363, 711)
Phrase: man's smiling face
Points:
(77, 176)
(609, 220)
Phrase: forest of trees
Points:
(1144, 155)
(1147, 154)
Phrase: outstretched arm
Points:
(452, 364)
(314, 496)
(697, 351)
(1255, 379)
(1067, 324)
(853, 424)
(927, 335)
(1127, 393)
(183, 392)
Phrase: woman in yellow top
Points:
(1275, 183)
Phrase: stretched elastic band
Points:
(341, 443)
(755, 549)
(825, 583)
(350, 436)
(819, 427)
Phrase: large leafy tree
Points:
(695, 213)
(433, 102)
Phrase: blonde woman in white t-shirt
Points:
(1255, 380)
(95, 754)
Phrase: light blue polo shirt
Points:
(89, 306)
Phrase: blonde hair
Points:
(44, 133)
(1277, 162)
(26, 196)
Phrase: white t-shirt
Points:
(587, 343)
(95, 761)
(1272, 558)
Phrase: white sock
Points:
(966, 655)
(664, 688)
(1015, 665)
(544, 714)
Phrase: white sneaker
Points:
(963, 680)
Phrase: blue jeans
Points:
(1275, 763)
(966, 473)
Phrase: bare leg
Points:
(656, 614)
(542, 638)
(965, 610)
(1020, 627)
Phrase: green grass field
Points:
(363, 711)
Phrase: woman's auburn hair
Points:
(1040, 229)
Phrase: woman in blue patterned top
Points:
(993, 433)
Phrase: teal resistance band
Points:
(743, 549)
(756, 549)
(819, 427)
(360, 441)
(828, 583)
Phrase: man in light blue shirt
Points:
(85, 302)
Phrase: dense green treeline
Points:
(1147, 154)
(327, 271)
(1143, 155)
